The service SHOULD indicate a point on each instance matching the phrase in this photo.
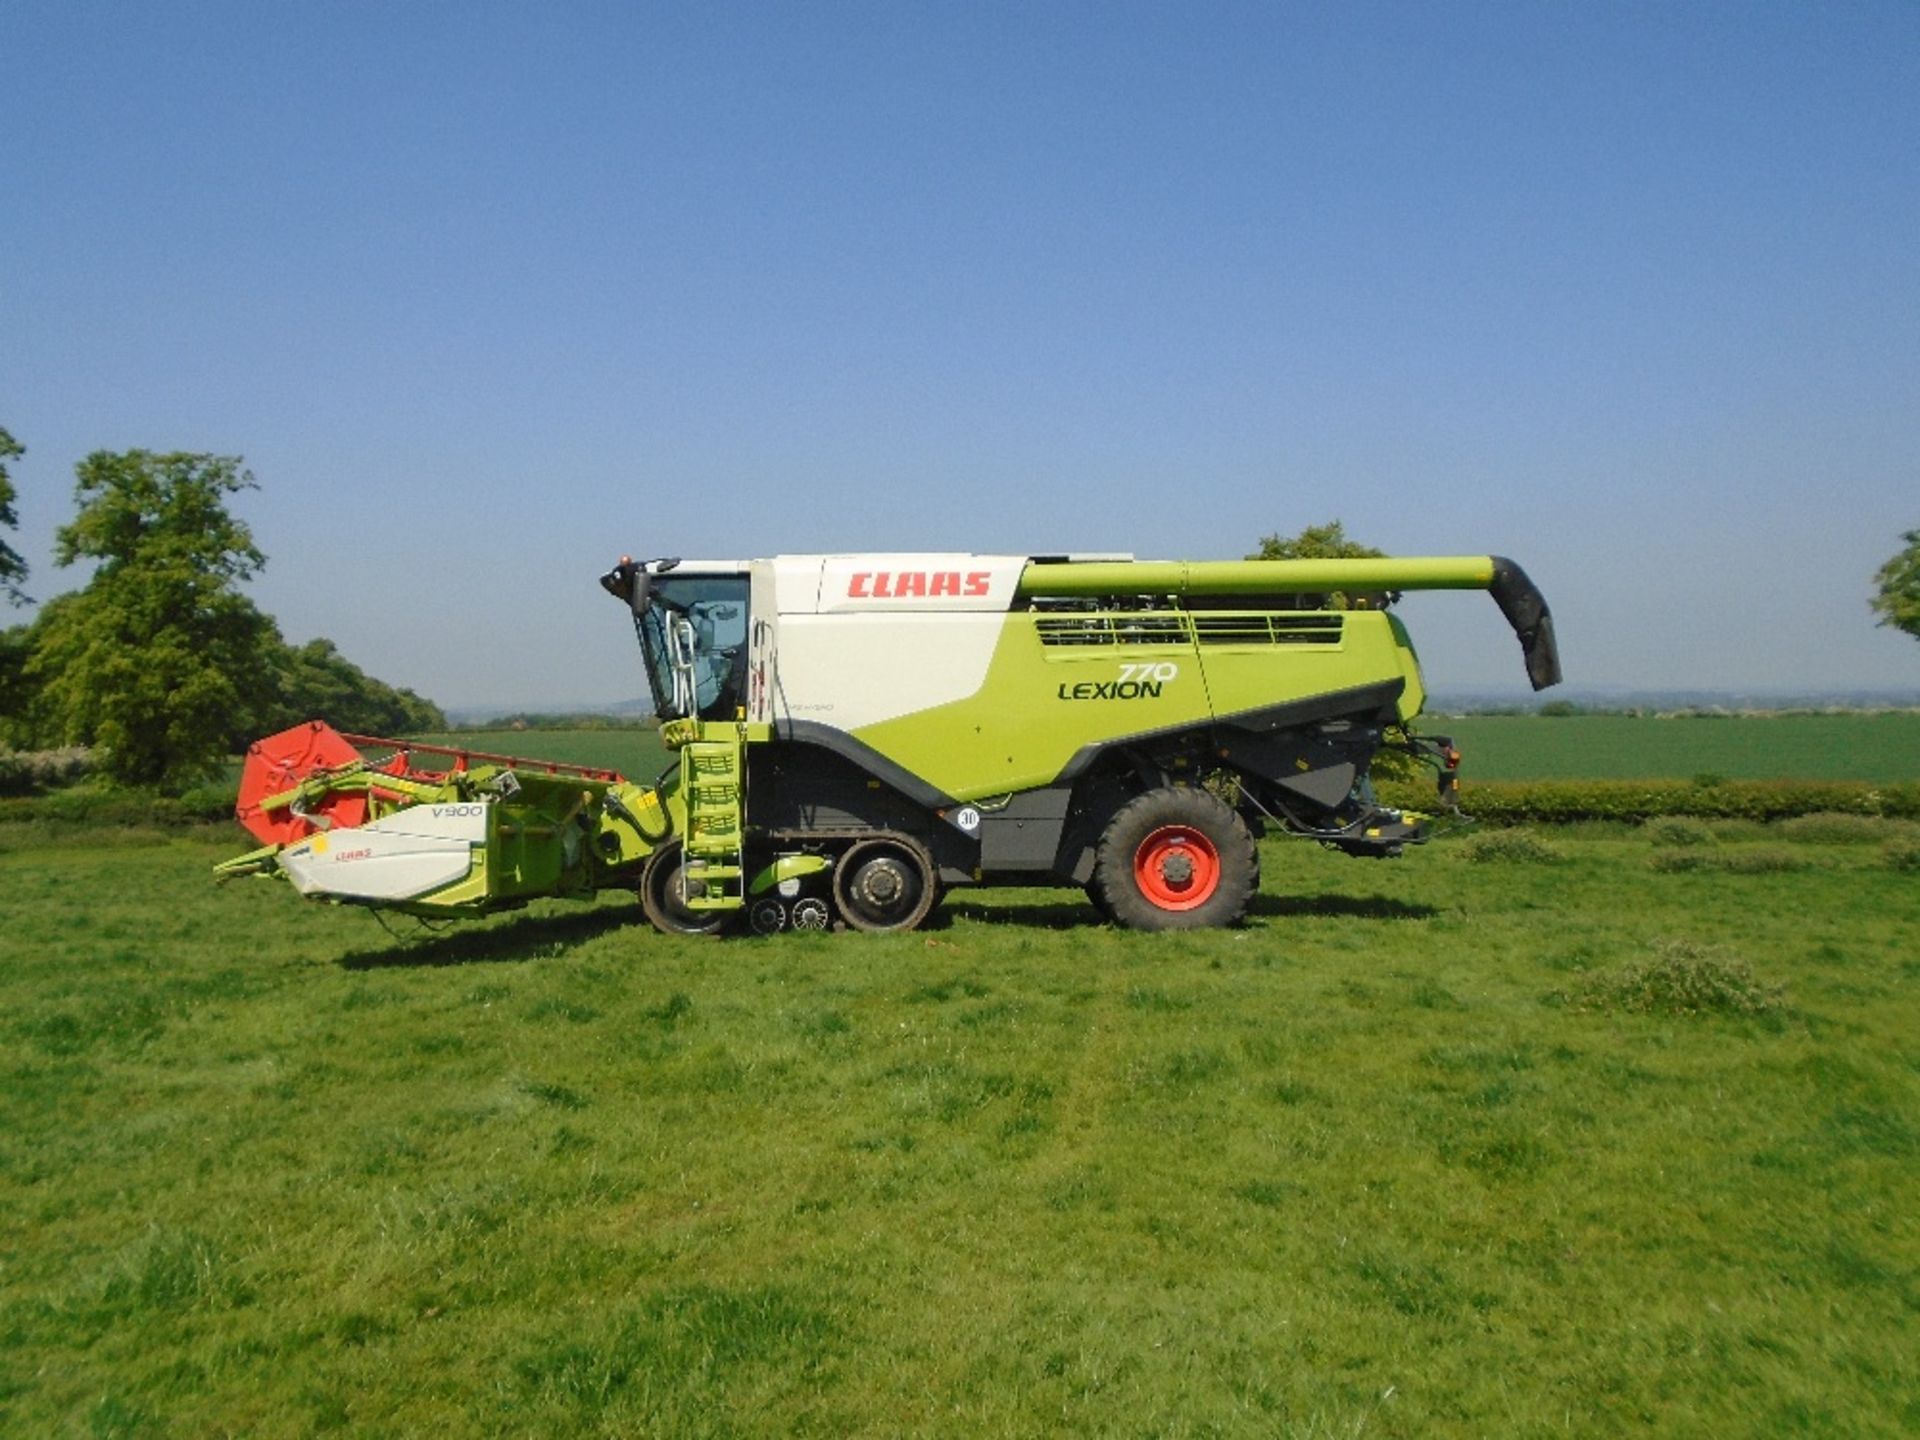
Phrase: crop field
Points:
(1602, 1132)
(635, 753)
(1873, 747)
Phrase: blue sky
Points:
(487, 295)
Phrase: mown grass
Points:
(1371, 1164)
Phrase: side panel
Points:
(852, 671)
(1258, 666)
(895, 583)
(1041, 702)
(1058, 683)
(802, 790)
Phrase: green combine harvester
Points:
(856, 733)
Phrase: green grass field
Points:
(1365, 1166)
(1883, 747)
(635, 753)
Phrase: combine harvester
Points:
(856, 733)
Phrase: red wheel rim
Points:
(1177, 868)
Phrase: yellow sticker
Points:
(319, 844)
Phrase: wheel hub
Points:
(881, 884)
(1177, 868)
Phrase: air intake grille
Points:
(1182, 629)
(1267, 629)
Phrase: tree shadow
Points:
(1361, 907)
(528, 938)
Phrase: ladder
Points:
(712, 770)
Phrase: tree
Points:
(1316, 542)
(1325, 542)
(12, 568)
(1898, 601)
(316, 680)
(160, 660)
(16, 694)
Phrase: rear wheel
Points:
(663, 896)
(1175, 859)
(1098, 901)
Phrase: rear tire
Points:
(663, 898)
(1175, 859)
(1098, 901)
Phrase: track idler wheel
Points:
(811, 913)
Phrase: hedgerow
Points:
(83, 806)
(1523, 802)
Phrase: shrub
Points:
(208, 802)
(29, 772)
(89, 806)
(1511, 847)
(1678, 830)
(1681, 978)
(1903, 855)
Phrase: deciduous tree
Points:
(1316, 542)
(315, 680)
(12, 568)
(1898, 599)
(1325, 542)
(160, 660)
